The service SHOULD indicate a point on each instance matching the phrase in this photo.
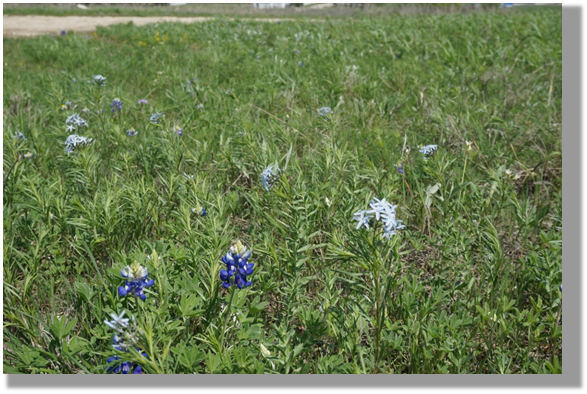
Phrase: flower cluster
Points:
(65, 106)
(201, 211)
(380, 209)
(136, 280)
(269, 176)
(19, 136)
(237, 265)
(29, 155)
(74, 122)
(178, 130)
(156, 118)
(428, 149)
(131, 132)
(73, 141)
(116, 105)
(99, 80)
(126, 337)
(325, 111)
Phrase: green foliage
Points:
(471, 285)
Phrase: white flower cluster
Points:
(127, 335)
(73, 122)
(99, 80)
(380, 209)
(428, 149)
(269, 176)
(73, 141)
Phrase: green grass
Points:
(471, 285)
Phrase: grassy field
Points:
(471, 284)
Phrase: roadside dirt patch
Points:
(34, 25)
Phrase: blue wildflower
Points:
(126, 337)
(200, 106)
(29, 155)
(131, 132)
(237, 267)
(201, 211)
(300, 64)
(99, 80)
(136, 280)
(380, 209)
(73, 122)
(74, 141)
(63, 32)
(178, 130)
(116, 105)
(428, 149)
(19, 136)
(399, 168)
(269, 176)
(156, 118)
(324, 111)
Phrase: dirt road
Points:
(33, 25)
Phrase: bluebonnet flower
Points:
(116, 105)
(201, 211)
(428, 149)
(73, 141)
(324, 111)
(63, 32)
(126, 336)
(298, 51)
(99, 80)
(380, 209)
(136, 280)
(269, 176)
(86, 110)
(300, 64)
(74, 122)
(142, 101)
(561, 287)
(237, 265)
(156, 118)
(399, 167)
(65, 106)
(29, 155)
(178, 130)
(19, 136)
(131, 132)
